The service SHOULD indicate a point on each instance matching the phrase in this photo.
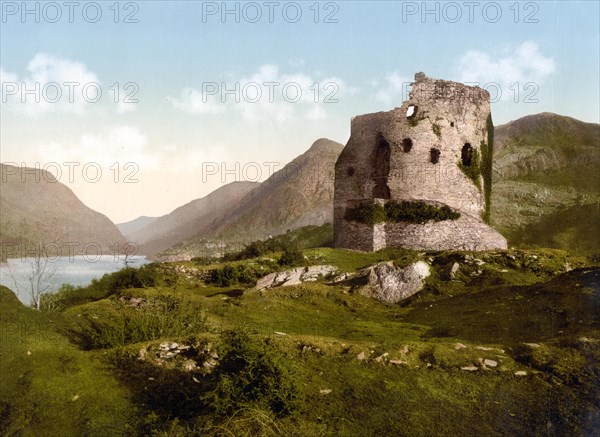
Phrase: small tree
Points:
(40, 272)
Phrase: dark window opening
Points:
(466, 154)
(435, 155)
(382, 168)
(350, 171)
(407, 145)
(451, 124)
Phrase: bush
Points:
(418, 212)
(251, 373)
(236, 274)
(159, 317)
(291, 256)
(369, 213)
(149, 275)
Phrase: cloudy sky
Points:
(143, 106)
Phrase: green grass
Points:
(305, 339)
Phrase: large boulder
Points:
(390, 284)
(294, 276)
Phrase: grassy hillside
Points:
(547, 184)
(313, 359)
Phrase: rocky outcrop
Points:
(294, 276)
(390, 284)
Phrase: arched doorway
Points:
(381, 167)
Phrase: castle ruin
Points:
(419, 176)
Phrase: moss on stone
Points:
(368, 213)
(487, 156)
(473, 171)
(418, 212)
(437, 130)
(403, 211)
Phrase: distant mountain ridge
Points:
(190, 219)
(299, 194)
(36, 209)
(132, 226)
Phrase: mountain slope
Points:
(130, 227)
(299, 194)
(189, 219)
(35, 209)
(545, 173)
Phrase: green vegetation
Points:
(368, 213)
(571, 226)
(472, 171)
(314, 358)
(418, 212)
(291, 256)
(437, 130)
(487, 159)
(132, 319)
(404, 211)
(301, 238)
(252, 374)
(149, 275)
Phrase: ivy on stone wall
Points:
(371, 213)
(487, 156)
(473, 171)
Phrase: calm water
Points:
(77, 270)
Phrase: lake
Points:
(75, 270)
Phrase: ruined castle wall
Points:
(447, 116)
(466, 233)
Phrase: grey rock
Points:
(454, 270)
(294, 276)
(390, 284)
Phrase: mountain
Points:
(547, 182)
(133, 226)
(299, 194)
(190, 219)
(37, 210)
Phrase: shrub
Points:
(369, 213)
(291, 256)
(159, 317)
(237, 274)
(149, 275)
(418, 212)
(252, 373)
(403, 211)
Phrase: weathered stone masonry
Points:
(432, 149)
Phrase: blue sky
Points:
(541, 56)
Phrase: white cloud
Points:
(521, 64)
(268, 94)
(191, 101)
(393, 90)
(120, 144)
(55, 84)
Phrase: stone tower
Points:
(419, 176)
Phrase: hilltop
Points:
(36, 208)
